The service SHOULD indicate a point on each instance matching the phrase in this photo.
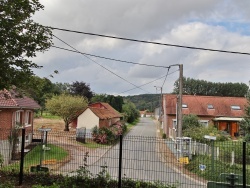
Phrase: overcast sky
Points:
(214, 24)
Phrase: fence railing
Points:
(140, 158)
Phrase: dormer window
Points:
(210, 106)
(184, 106)
(235, 107)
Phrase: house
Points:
(145, 113)
(223, 112)
(98, 114)
(15, 110)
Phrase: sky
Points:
(212, 24)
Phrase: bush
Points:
(198, 133)
(107, 135)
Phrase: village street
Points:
(141, 160)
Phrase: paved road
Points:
(141, 160)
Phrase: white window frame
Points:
(28, 114)
(18, 117)
(204, 122)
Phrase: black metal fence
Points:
(149, 159)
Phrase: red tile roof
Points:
(12, 100)
(109, 110)
(103, 113)
(199, 105)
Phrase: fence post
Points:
(244, 164)
(120, 164)
(22, 158)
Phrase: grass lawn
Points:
(35, 156)
(48, 115)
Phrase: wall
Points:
(87, 119)
(6, 118)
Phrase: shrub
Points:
(198, 133)
(107, 135)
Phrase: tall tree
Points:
(245, 123)
(66, 106)
(201, 87)
(40, 89)
(115, 101)
(20, 39)
(81, 89)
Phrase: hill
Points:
(145, 101)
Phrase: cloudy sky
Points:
(213, 24)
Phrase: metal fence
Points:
(136, 157)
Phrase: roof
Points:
(11, 99)
(109, 110)
(103, 113)
(215, 106)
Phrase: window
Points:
(210, 106)
(174, 124)
(204, 122)
(235, 107)
(184, 105)
(28, 115)
(18, 118)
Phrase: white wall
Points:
(87, 119)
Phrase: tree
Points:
(245, 123)
(20, 39)
(130, 111)
(201, 87)
(190, 121)
(81, 89)
(40, 89)
(66, 106)
(115, 101)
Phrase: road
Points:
(141, 159)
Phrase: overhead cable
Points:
(150, 42)
(100, 64)
(76, 51)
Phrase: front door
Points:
(234, 128)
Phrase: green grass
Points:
(92, 145)
(47, 115)
(34, 156)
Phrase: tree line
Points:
(193, 86)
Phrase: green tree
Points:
(190, 121)
(245, 123)
(115, 101)
(20, 39)
(61, 88)
(130, 111)
(66, 106)
(201, 87)
(81, 89)
(40, 89)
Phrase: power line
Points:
(149, 42)
(149, 82)
(100, 64)
(107, 58)
(165, 78)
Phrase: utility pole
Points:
(179, 103)
(160, 100)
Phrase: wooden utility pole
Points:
(179, 103)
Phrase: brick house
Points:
(223, 112)
(97, 114)
(15, 110)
